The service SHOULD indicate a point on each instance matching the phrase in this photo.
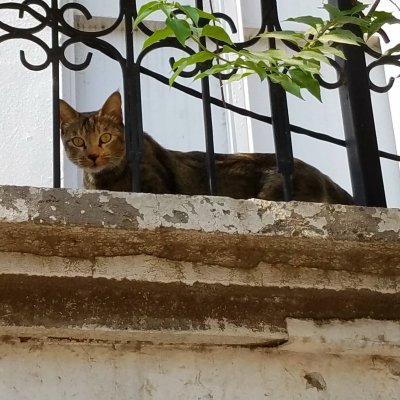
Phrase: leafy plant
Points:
(294, 70)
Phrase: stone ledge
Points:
(98, 308)
(199, 229)
(89, 265)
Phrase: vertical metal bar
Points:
(132, 97)
(282, 137)
(359, 125)
(279, 113)
(210, 153)
(55, 64)
(208, 126)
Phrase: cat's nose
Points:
(92, 157)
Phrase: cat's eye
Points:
(105, 138)
(78, 141)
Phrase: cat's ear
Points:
(112, 107)
(67, 113)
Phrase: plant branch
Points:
(293, 72)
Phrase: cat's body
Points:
(167, 171)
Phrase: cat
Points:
(95, 143)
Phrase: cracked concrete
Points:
(250, 264)
(200, 213)
(217, 231)
(97, 280)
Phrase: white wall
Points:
(26, 111)
(37, 371)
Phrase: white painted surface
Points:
(42, 371)
(25, 111)
(71, 358)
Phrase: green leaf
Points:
(351, 20)
(312, 67)
(357, 8)
(312, 55)
(306, 81)
(180, 28)
(206, 15)
(177, 72)
(341, 36)
(167, 9)
(329, 50)
(196, 58)
(312, 32)
(393, 50)
(266, 56)
(239, 77)
(145, 11)
(378, 19)
(387, 17)
(294, 71)
(275, 54)
(290, 36)
(147, 6)
(190, 12)
(309, 65)
(215, 70)
(195, 13)
(259, 68)
(217, 33)
(227, 50)
(308, 20)
(337, 14)
(288, 84)
(157, 36)
(196, 32)
(332, 10)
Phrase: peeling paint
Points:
(178, 217)
(207, 213)
(200, 229)
(320, 283)
(388, 223)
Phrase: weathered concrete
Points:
(46, 371)
(174, 297)
(178, 269)
(231, 314)
(222, 231)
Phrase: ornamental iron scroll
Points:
(352, 76)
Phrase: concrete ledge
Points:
(197, 270)
(222, 231)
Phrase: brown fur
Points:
(167, 171)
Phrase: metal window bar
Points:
(359, 124)
(353, 79)
(279, 111)
(55, 66)
(132, 93)
(208, 125)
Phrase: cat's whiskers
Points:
(113, 159)
(84, 163)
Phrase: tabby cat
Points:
(95, 143)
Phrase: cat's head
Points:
(94, 142)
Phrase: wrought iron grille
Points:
(353, 82)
